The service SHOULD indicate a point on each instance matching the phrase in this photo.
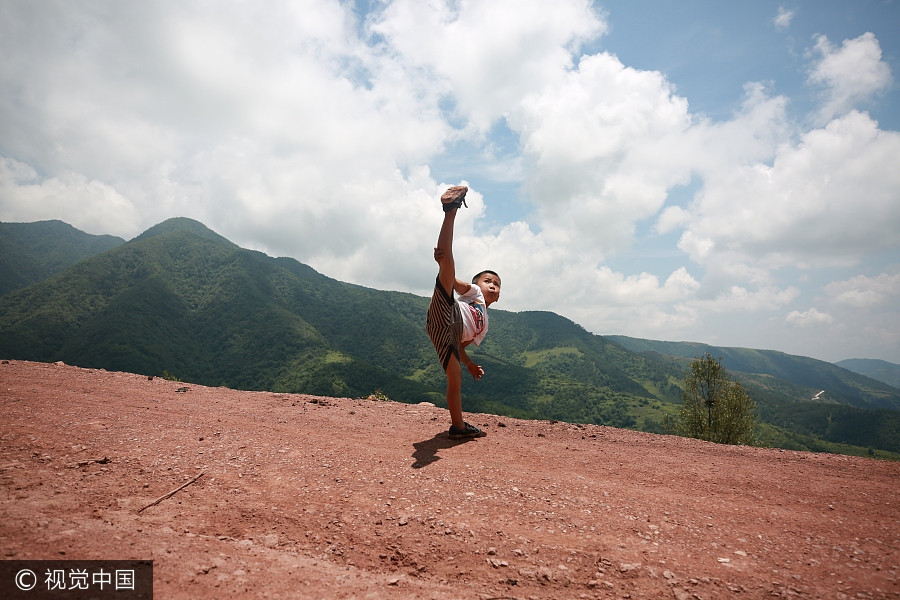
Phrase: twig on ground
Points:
(173, 492)
(89, 461)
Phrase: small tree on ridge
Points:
(714, 407)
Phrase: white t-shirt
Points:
(473, 309)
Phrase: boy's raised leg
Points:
(446, 263)
(447, 278)
(451, 200)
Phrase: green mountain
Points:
(181, 300)
(32, 252)
(805, 398)
(789, 377)
(880, 370)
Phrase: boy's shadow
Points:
(426, 451)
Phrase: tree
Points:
(714, 407)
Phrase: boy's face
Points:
(490, 287)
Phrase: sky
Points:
(707, 171)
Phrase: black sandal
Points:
(467, 432)
(454, 197)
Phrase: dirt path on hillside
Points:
(309, 497)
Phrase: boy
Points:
(454, 324)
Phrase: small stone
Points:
(681, 594)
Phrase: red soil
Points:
(311, 497)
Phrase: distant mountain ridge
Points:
(181, 300)
(838, 384)
(881, 370)
(32, 252)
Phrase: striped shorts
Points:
(444, 324)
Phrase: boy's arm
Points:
(474, 370)
(461, 287)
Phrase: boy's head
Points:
(489, 282)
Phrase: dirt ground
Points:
(312, 497)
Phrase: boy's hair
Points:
(475, 279)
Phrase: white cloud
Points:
(784, 17)
(671, 218)
(828, 200)
(486, 55)
(316, 138)
(265, 131)
(603, 149)
(738, 299)
(866, 292)
(90, 205)
(850, 74)
(809, 318)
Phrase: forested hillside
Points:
(31, 252)
(806, 398)
(184, 302)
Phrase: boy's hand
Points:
(474, 370)
(438, 254)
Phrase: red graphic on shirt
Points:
(477, 311)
